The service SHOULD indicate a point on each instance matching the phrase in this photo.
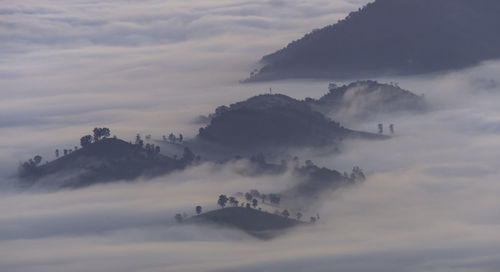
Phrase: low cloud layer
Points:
(429, 204)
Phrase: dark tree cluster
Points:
(100, 133)
(152, 149)
(138, 140)
(233, 201)
(30, 167)
(222, 201)
(173, 139)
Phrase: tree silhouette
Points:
(313, 219)
(85, 140)
(254, 202)
(285, 213)
(391, 128)
(299, 215)
(380, 128)
(264, 197)
(138, 140)
(248, 196)
(198, 209)
(181, 138)
(233, 201)
(222, 201)
(37, 159)
(101, 133)
(57, 153)
(172, 138)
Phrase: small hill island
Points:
(273, 121)
(260, 224)
(102, 159)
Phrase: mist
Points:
(430, 201)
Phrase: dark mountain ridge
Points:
(394, 37)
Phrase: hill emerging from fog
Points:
(258, 223)
(399, 37)
(105, 160)
(273, 121)
(365, 99)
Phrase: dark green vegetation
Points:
(392, 37)
(103, 160)
(258, 223)
(364, 99)
(268, 122)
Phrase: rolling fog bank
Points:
(430, 201)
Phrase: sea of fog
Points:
(430, 202)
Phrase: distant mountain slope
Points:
(273, 121)
(392, 37)
(363, 99)
(102, 161)
(252, 221)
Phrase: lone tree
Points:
(85, 140)
(232, 200)
(391, 128)
(172, 138)
(101, 133)
(138, 140)
(248, 196)
(181, 138)
(254, 202)
(198, 209)
(57, 153)
(37, 159)
(380, 128)
(313, 219)
(285, 213)
(222, 201)
(299, 215)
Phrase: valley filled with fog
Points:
(429, 203)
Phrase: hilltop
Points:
(364, 99)
(392, 37)
(273, 121)
(257, 223)
(105, 160)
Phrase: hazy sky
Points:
(430, 202)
